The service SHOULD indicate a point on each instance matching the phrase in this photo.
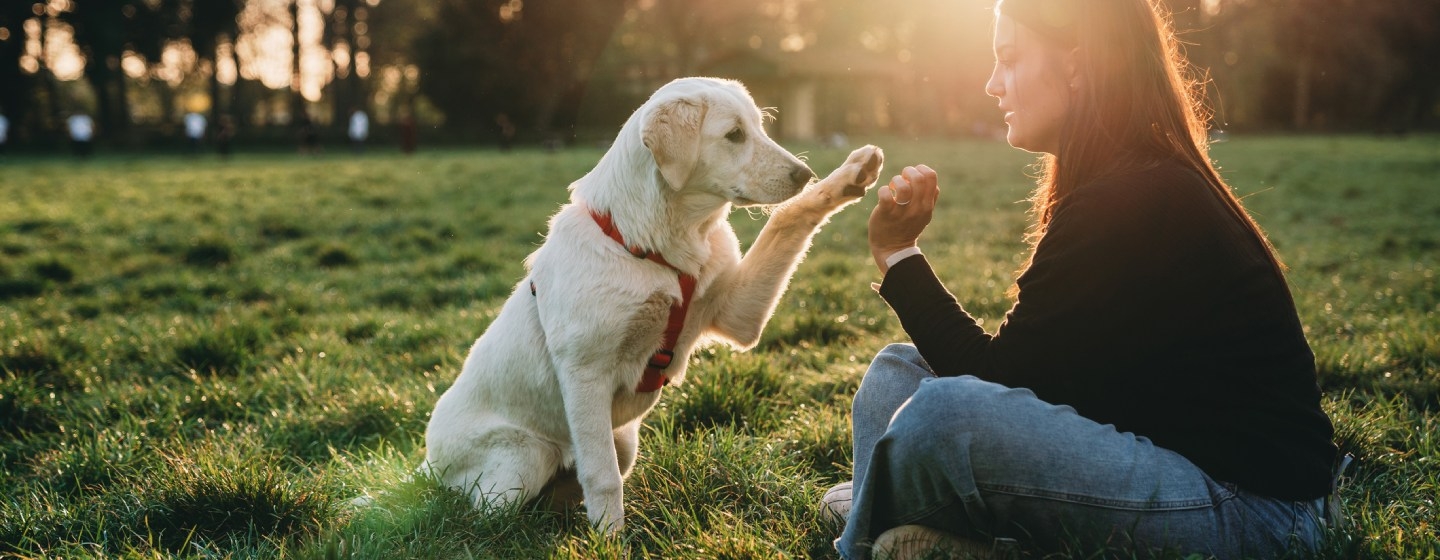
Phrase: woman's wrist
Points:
(901, 255)
(886, 258)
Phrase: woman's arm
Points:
(1086, 297)
(926, 309)
(946, 335)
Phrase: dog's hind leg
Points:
(510, 467)
(563, 492)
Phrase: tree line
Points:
(538, 69)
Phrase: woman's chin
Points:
(1020, 141)
(1017, 140)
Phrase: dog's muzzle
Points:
(801, 175)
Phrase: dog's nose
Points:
(801, 174)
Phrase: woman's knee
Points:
(956, 405)
(931, 432)
(894, 364)
(893, 376)
(1003, 428)
(901, 351)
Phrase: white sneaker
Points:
(835, 506)
(916, 542)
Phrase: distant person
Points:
(1150, 388)
(4, 133)
(309, 135)
(194, 131)
(82, 134)
(224, 135)
(407, 133)
(359, 130)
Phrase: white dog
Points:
(637, 270)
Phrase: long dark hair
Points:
(1137, 102)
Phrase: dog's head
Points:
(708, 134)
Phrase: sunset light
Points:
(719, 279)
(923, 62)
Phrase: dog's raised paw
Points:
(870, 169)
(848, 182)
(867, 161)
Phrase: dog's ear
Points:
(672, 134)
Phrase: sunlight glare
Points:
(793, 42)
(341, 56)
(510, 11)
(315, 66)
(176, 62)
(133, 65)
(265, 56)
(30, 61)
(362, 64)
(55, 7)
(65, 60)
(266, 46)
(225, 71)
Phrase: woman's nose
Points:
(994, 87)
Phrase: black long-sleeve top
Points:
(1150, 306)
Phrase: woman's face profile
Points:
(1030, 80)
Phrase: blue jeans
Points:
(983, 461)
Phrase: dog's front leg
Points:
(750, 292)
(588, 399)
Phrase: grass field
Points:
(210, 359)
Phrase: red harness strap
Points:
(654, 377)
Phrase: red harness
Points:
(654, 377)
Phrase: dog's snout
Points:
(801, 174)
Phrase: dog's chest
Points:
(629, 406)
(644, 325)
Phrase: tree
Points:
(100, 33)
(395, 27)
(1411, 34)
(207, 22)
(344, 32)
(19, 89)
(528, 61)
(298, 112)
(150, 28)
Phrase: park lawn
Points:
(201, 358)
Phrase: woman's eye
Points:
(736, 135)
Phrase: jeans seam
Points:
(1108, 503)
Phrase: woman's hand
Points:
(905, 208)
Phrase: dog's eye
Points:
(736, 135)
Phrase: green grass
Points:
(211, 359)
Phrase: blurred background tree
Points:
(568, 70)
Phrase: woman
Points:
(1151, 389)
